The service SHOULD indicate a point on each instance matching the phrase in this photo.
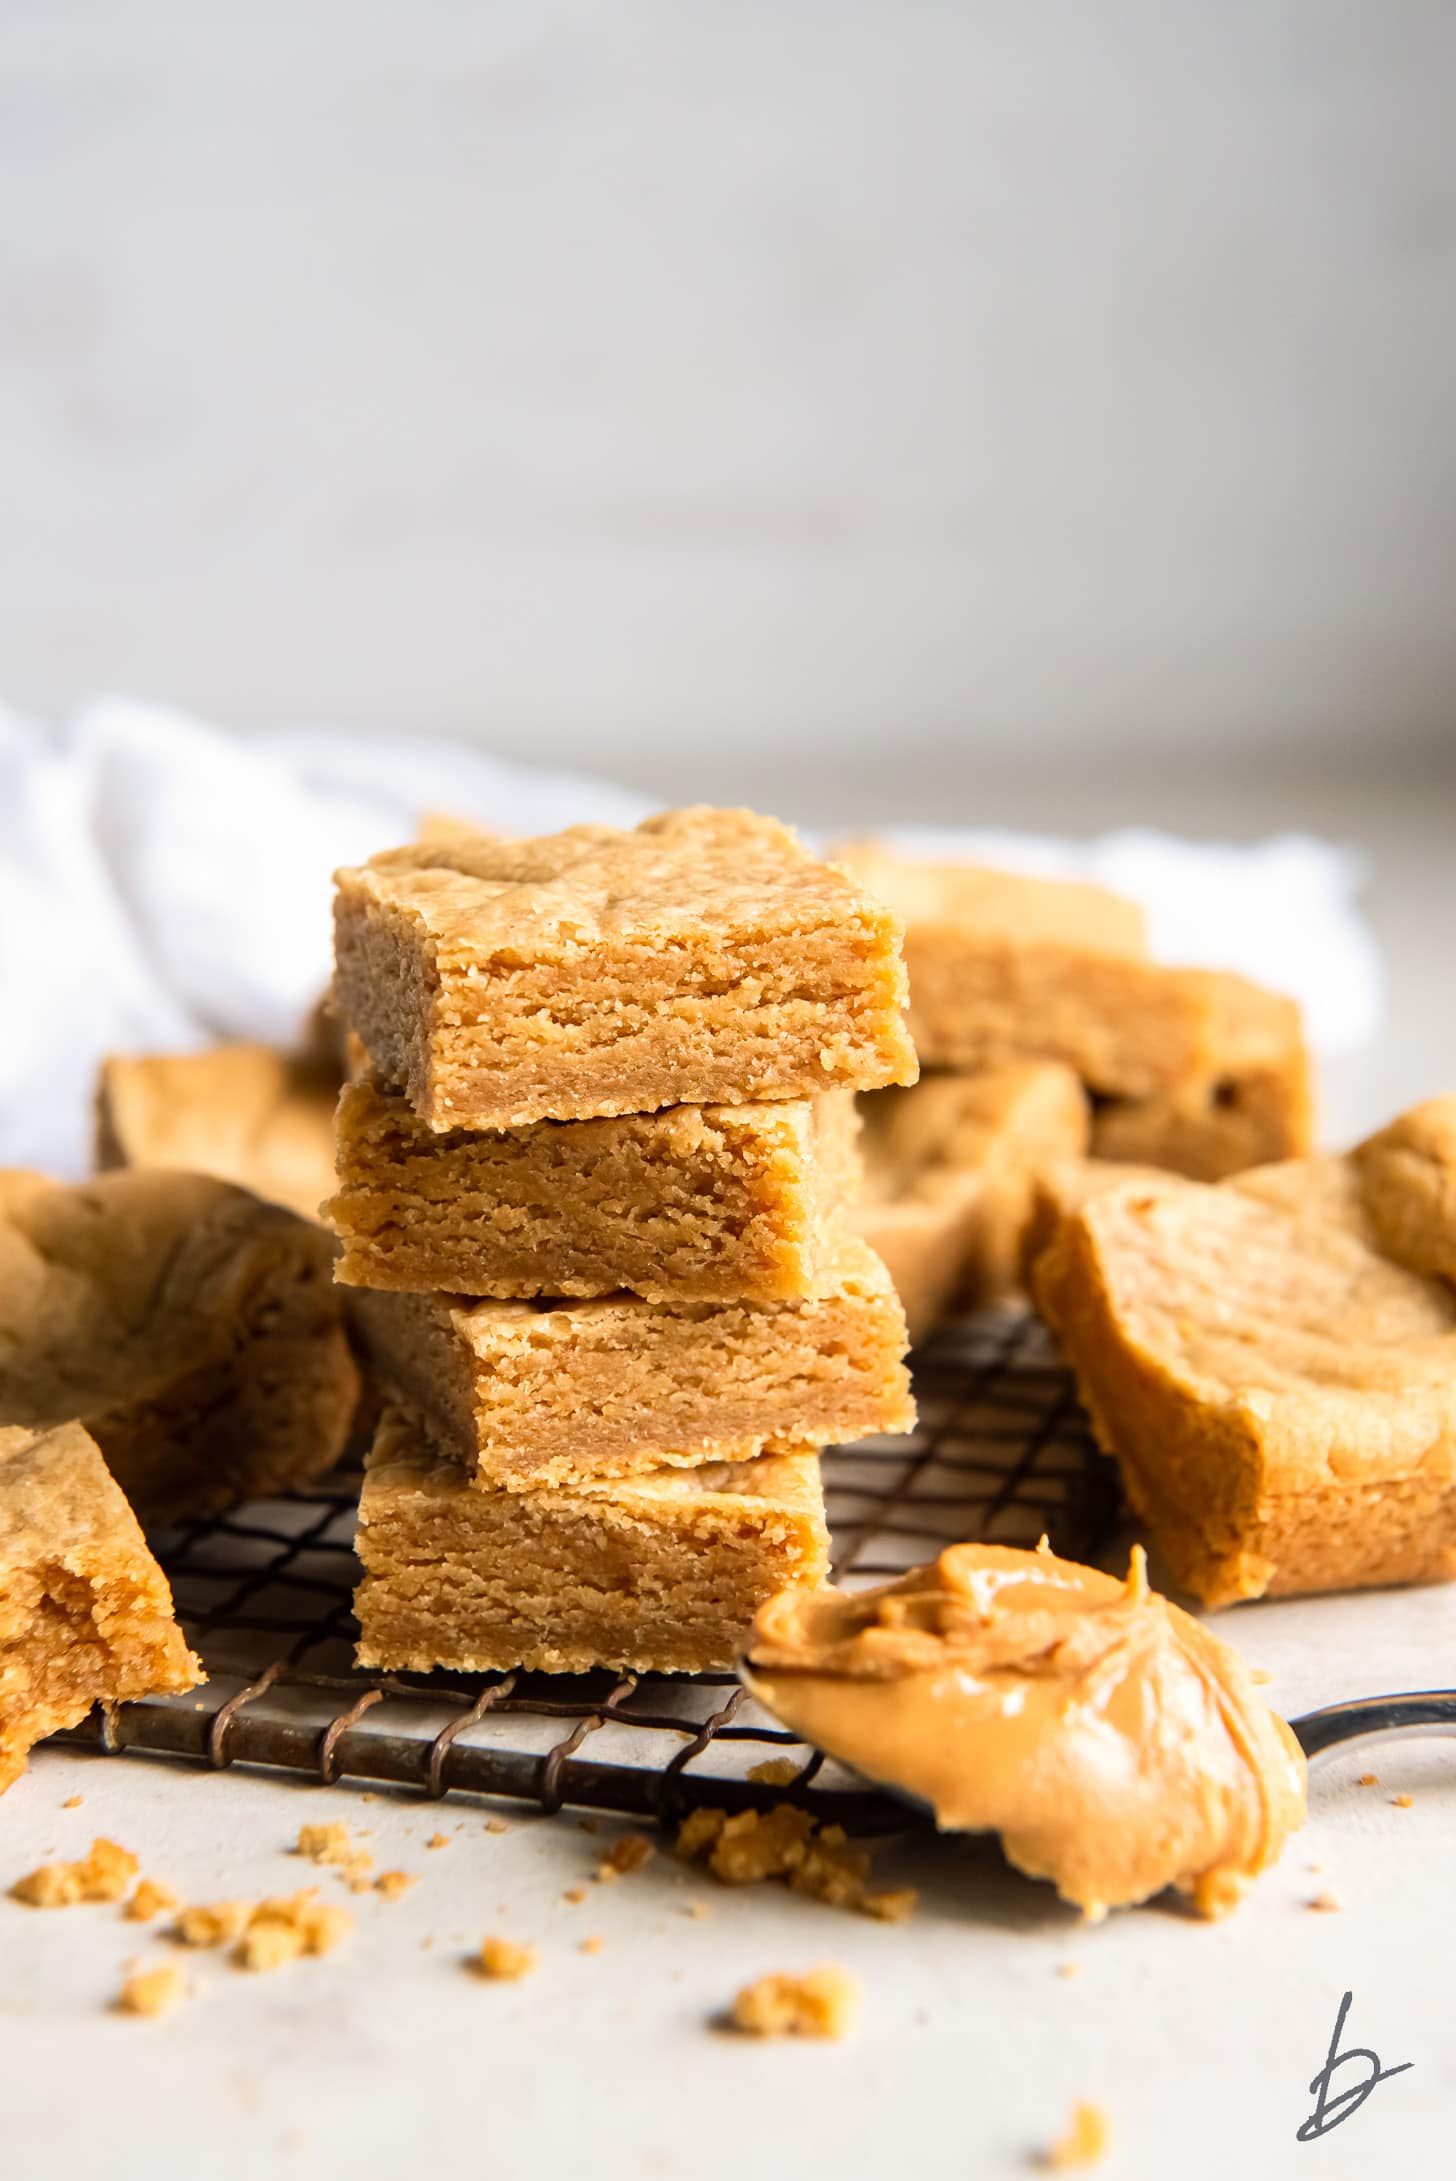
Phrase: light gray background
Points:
(724, 395)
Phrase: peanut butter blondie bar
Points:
(85, 1612)
(195, 1331)
(1279, 1392)
(246, 1113)
(548, 1393)
(662, 1572)
(1005, 968)
(950, 1173)
(1258, 1107)
(703, 958)
(713, 1202)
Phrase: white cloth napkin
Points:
(164, 884)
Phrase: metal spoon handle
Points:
(1425, 1711)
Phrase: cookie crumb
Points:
(151, 1992)
(150, 1899)
(1402, 1802)
(438, 1840)
(496, 1825)
(503, 1960)
(1368, 1779)
(626, 1854)
(589, 1824)
(325, 1843)
(393, 1883)
(696, 1909)
(280, 1930)
(1327, 1900)
(1066, 1970)
(73, 1802)
(103, 1875)
(575, 1895)
(1088, 2139)
(825, 2003)
(774, 1772)
(891, 1904)
(787, 1843)
(211, 1924)
(593, 1945)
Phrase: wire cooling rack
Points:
(1002, 1454)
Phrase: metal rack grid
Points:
(1002, 1454)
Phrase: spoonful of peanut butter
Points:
(1115, 1745)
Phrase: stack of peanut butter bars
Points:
(592, 1171)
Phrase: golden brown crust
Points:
(704, 957)
(1258, 1107)
(950, 1180)
(528, 1394)
(1280, 1396)
(660, 1572)
(245, 1113)
(715, 1203)
(1202, 1067)
(85, 1612)
(195, 1330)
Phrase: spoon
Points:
(1404, 1717)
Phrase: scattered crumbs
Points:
(696, 1908)
(787, 1843)
(1066, 1970)
(369, 1796)
(393, 1883)
(73, 1802)
(628, 1853)
(279, 1931)
(1088, 2138)
(324, 1843)
(211, 1924)
(496, 1825)
(1328, 1901)
(426, 1944)
(1368, 1779)
(891, 1904)
(593, 1945)
(774, 1772)
(151, 1992)
(504, 1960)
(150, 1899)
(575, 1895)
(1402, 1802)
(825, 2003)
(438, 1840)
(103, 1875)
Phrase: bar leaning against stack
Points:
(590, 1189)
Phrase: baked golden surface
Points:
(527, 1393)
(713, 1202)
(657, 1572)
(704, 957)
(195, 1331)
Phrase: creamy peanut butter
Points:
(1115, 1745)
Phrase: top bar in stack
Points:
(705, 957)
